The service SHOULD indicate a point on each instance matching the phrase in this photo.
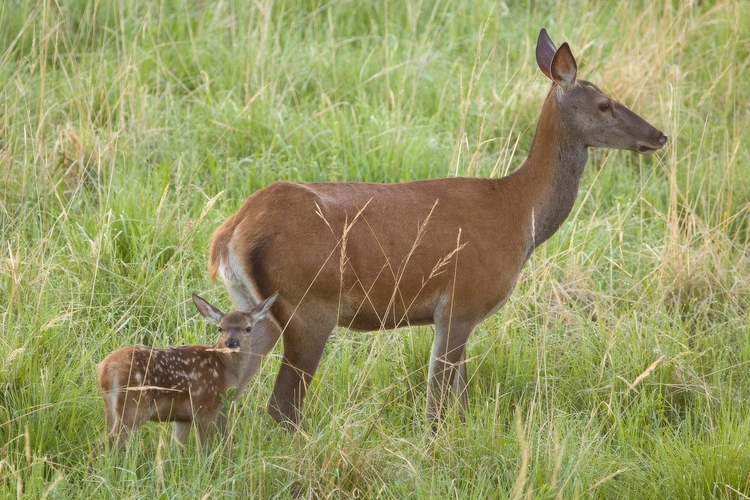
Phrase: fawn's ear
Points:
(208, 311)
(261, 310)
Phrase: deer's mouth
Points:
(648, 148)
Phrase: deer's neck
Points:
(551, 172)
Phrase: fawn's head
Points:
(235, 327)
(589, 114)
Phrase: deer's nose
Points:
(232, 343)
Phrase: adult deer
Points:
(446, 252)
(181, 384)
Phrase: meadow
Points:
(620, 366)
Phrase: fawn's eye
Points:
(247, 329)
(604, 107)
(219, 328)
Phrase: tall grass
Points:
(620, 368)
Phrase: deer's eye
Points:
(219, 328)
(604, 107)
(247, 329)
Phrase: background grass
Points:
(130, 130)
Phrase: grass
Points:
(130, 130)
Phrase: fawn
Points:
(181, 384)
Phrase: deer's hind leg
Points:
(304, 338)
(460, 382)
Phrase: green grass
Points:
(620, 368)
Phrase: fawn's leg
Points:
(181, 432)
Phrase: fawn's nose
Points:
(232, 343)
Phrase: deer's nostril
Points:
(232, 343)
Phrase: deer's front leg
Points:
(448, 367)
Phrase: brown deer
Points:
(181, 384)
(446, 252)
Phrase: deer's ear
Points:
(564, 68)
(545, 52)
(261, 310)
(208, 311)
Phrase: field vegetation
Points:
(129, 130)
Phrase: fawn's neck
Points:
(236, 369)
